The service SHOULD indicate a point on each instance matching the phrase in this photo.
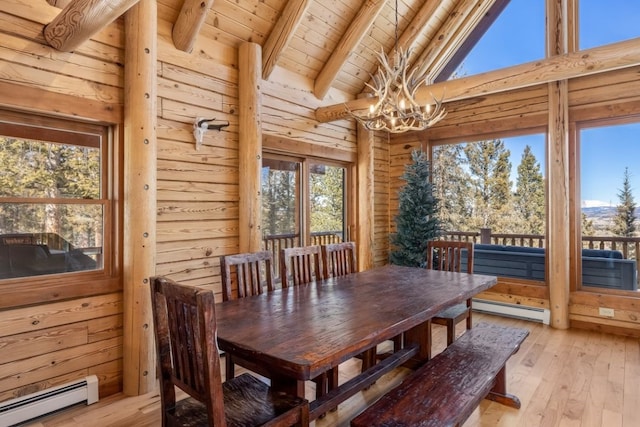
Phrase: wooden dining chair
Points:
(185, 331)
(253, 271)
(301, 265)
(448, 256)
(339, 259)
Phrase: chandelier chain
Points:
(396, 109)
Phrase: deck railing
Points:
(628, 246)
(275, 242)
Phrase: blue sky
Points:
(517, 36)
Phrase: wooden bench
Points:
(448, 388)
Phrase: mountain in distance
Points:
(601, 214)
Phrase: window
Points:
(493, 192)
(516, 36)
(609, 181)
(606, 22)
(55, 201)
(304, 202)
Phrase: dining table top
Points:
(302, 331)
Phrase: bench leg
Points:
(499, 391)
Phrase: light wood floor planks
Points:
(563, 378)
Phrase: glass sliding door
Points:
(281, 214)
(327, 203)
(304, 202)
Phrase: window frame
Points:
(306, 153)
(505, 134)
(46, 288)
(303, 192)
(575, 282)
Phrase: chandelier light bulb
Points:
(396, 109)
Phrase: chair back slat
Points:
(339, 259)
(252, 272)
(185, 330)
(447, 255)
(301, 265)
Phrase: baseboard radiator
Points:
(21, 409)
(512, 310)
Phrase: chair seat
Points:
(458, 311)
(247, 402)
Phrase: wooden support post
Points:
(250, 145)
(81, 19)
(140, 116)
(558, 185)
(366, 206)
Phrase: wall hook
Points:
(202, 125)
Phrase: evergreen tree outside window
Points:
(624, 223)
(479, 187)
(529, 199)
(494, 187)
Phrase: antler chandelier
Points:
(395, 86)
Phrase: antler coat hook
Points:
(201, 125)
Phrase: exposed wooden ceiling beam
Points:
(591, 61)
(350, 39)
(188, 24)
(81, 19)
(418, 24)
(282, 33)
(59, 3)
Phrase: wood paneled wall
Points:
(51, 344)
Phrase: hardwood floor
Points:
(563, 378)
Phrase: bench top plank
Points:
(447, 389)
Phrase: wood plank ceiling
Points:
(331, 42)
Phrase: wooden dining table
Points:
(298, 333)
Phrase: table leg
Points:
(421, 336)
(288, 385)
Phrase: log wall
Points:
(198, 189)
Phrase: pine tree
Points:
(529, 196)
(452, 187)
(624, 221)
(417, 220)
(327, 198)
(490, 171)
(587, 226)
